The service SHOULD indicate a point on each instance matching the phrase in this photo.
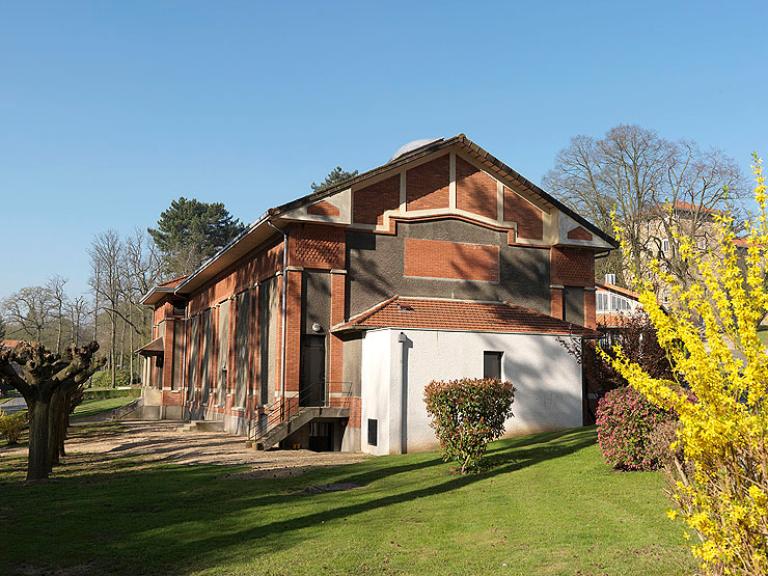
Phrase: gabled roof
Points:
(267, 226)
(490, 162)
(459, 315)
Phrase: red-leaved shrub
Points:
(467, 414)
(626, 423)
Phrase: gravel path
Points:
(146, 443)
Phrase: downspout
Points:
(284, 307)
(402, 339)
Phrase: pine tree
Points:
(335, 176)
(190, 231)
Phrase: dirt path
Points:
(148, 443)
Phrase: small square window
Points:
(373, 431)
(492, 365)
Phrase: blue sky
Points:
(108, 111)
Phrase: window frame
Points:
(498, 359)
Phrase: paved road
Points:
(13, 405)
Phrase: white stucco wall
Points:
(374, 388)
(547, 381)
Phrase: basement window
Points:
(492, 365)
(373, 431)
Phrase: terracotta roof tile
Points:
(459, 315)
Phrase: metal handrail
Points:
(279, 412)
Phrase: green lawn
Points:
(548, 506)
(92, 407)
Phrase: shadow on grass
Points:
(155, 507)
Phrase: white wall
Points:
(374, 388)
(547, 381)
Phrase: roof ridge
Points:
(365, 314)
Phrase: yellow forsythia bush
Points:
(719, 389)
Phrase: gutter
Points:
(262, 220)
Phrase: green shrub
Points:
(12, 425)
(467, 414)
(626, 423)
(104, 393)
(103, 379)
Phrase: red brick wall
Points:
(556, 301)
(168, 353)
(590, 315)
(441, 259)
(293, 331)
(241, 276)
(572, 266)
(336, 352)
(369, 204)
(579, 233)
(475, 190)
(530, 222)
(427, 185)
(323, 208)
(316, 246)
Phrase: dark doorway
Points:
(321, 436)
(312, 392)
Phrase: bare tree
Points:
(29, 311)
(55, 286)
(77, 311)
(653, 185)
(106, 253)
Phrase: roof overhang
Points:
(156, 295)
(154, 348)
(251, 238)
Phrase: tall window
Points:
(223, 367)
(242, 374)
(492, 365)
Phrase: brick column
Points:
(336, 345)
(556, 301)
(590, 314)
(293, 331)
(168, 353)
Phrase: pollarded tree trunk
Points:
(43, 377)
(38, 468)
(55, 432)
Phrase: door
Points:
(312, 390)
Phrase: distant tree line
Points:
(123, 269)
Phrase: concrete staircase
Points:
(203, 426)
(303, 417)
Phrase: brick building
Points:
(321, 324)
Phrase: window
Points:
(373, 431)
(664, 245)
(602, 302)
(492, 365)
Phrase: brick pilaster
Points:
(590, 314)
(556, 302)
(336, 352)
(168, 353)
(293, 331)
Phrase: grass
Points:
(91, 407)
(548, 506)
